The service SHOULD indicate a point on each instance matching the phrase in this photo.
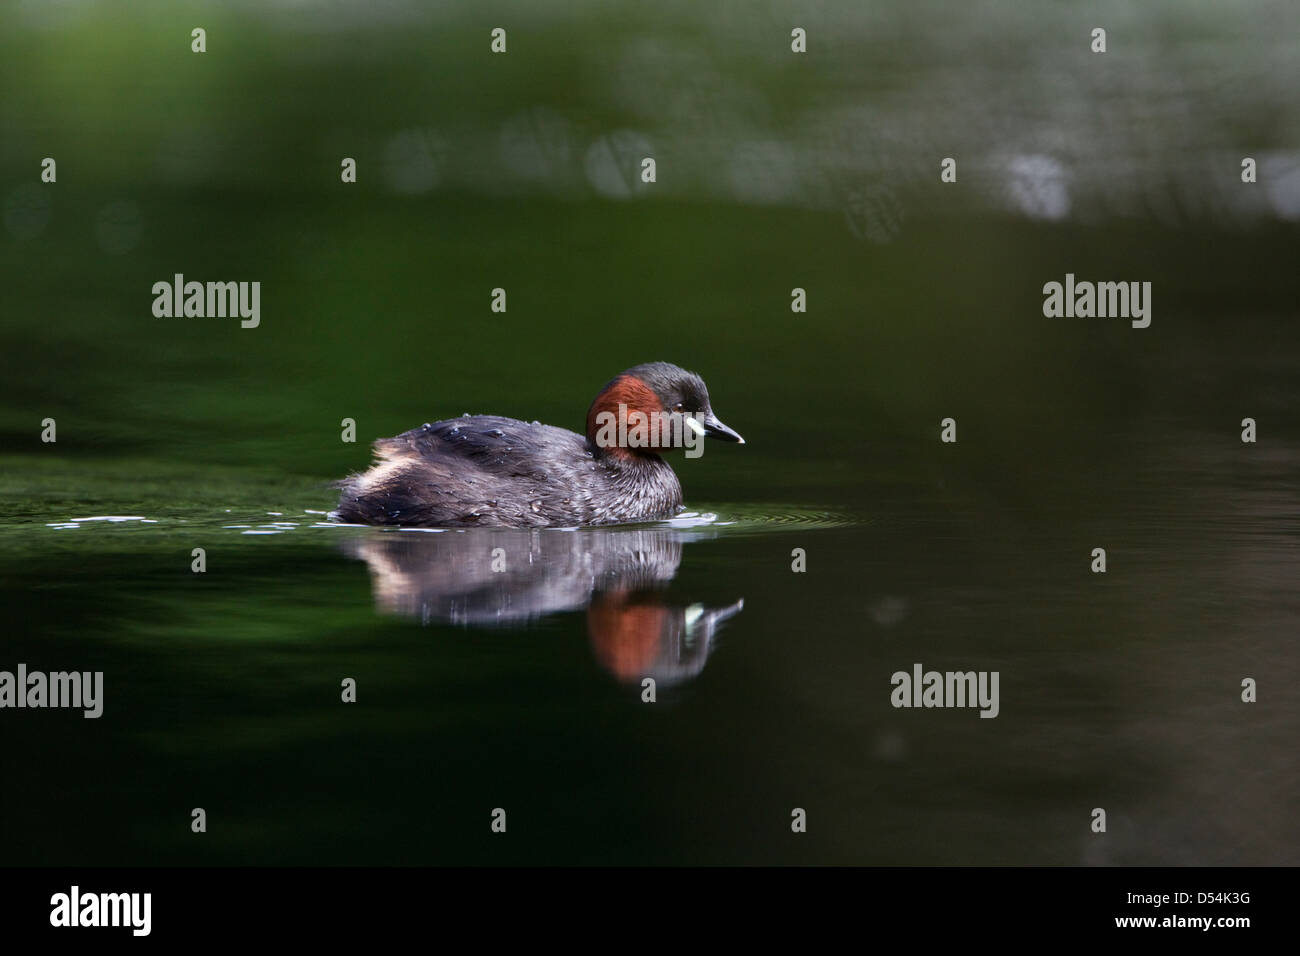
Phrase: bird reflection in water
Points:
(508, 578)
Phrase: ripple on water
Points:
(111, 519)
(748, 519)
(759, 518)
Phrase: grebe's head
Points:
(653, 407)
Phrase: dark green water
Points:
(478, 690)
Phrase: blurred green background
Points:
(774, 171)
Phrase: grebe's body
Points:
(484, 470)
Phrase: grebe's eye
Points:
(678, 407)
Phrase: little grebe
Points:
(487, 471)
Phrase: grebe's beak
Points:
(715, 429)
